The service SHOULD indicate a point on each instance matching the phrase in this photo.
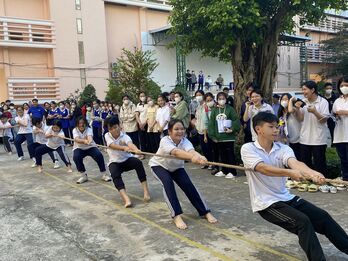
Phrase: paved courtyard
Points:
(49, 217)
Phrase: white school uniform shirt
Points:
(118, 156)
(253, 110)
(55, 142)
(40, 137)
(24, 119)
(79, 135)
(5, 132)
(265, 190)
(165, 148)
(293, 126)
(312, 131)
(163, 115)
(341, 128)
(141, 108)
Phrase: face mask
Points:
(89, 109)
(142, 99)
(222, 102)
(329, 91)
(177, 100)
(11, 107)
(126, 102)
(61, 107)
(103, 108)
(344, 90)
(284, 104)
(210, 104)
(199, 98)
(110, 108)
(95, 106)
(150, 103)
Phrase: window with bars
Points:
(81, 52)
(78, 4)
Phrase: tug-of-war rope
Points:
(332, 181)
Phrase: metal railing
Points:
(20, 32)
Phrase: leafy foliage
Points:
(88, 95)
(133, 71)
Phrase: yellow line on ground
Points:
(216, 229)
(145, 220)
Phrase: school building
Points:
(50, 48)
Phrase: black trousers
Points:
(296, 147)
(43, 149)
(67, 135)
(134, 137)
(317, 153)
(207, 148)
(224, 152)
(302, 218)
(154, 139)
(94, 153)
(143, 139)
(32, 148)
(6, 142)
(97, 135)
(116, 170)
(342, 151)
(181, 178)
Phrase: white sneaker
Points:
(56, 165)
(324, 188)
(10, 153)
(333, 189)
(106, 177)
(210, 167)
(220, 174)
(20, 158)
(34, 165)
(82, 179)
(230, 176)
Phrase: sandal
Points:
(324, 188)
(290, 184)
(303, 187)
(313, 188)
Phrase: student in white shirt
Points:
(167, 171)
(253, 107)
(340, 110)
(39, 131)
(140, 115)
(162, 115)
(269, 163)
(119, 150)
(25, 133)
(55, 142)
(314, 130)
(84, 146)
(6, 133)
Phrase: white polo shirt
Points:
(55, 142)
(141, 108)
(40, 137)
(5, 132)
(165, 148)
(79, 135)
(253, 110)
(312, 131)
(118, 156)
(266, 190)
(341, 128)
(163, 115)
(24, 119)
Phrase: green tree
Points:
(133, 74)
(336, 49)
(243, 32)
(88, 95)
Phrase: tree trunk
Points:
(243, 59)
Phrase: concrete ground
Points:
(49, 217)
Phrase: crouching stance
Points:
(167, 171)
(267, 160)
(84, 146)
(120, 159)
(55, 142)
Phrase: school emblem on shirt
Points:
(221, 116)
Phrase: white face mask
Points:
(177, 99)
(11, 107)
(222, 102)
(344, 90)
(199, 98)
(61, 107)
(328, 91)
(125, 102)
(142, 99)
(89, 109)
(103, 108)
(284, 104)
(210, 104)
(150, 103)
